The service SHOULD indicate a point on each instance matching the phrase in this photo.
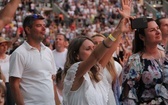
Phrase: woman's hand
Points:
(125, 58)
(126, 8)
(124, 25)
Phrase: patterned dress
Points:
(143, 81)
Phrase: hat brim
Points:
(9, 43)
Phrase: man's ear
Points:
(27, 29)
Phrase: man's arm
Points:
(15, 89)
(8, 12)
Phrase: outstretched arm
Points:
(124, 12)
(98, 53)
(7, 13)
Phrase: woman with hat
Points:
(4, 66)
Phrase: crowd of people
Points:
(94, 58)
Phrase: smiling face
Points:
(3, 48)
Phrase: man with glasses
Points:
(32, 66)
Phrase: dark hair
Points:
(158, 20)
(138, 44)
(59, 75)
(28, 21)
(65, 38)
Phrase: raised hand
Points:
(124, 25)
(125, 58)
(125, 11)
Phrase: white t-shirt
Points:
(89, 93)
(60, 58)
(4, 65)
(35, 68)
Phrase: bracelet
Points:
(112, 37)
(105, 45)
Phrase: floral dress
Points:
(143, 82)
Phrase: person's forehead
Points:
(87, 43)
(39, 22)
(152, 24)
(163, 21)
(59, 36)
(98, 38)
(3, 43)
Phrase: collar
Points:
(29, 47)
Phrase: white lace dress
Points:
(111, 100)
(89, 93)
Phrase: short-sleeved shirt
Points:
(35, 69)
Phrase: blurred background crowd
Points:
(68, 19)
(78, 17)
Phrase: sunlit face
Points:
(97, 40)
(164, 27)
(3, 48)
(86, 49)
(2, 97)
(37, 31)
(152, 34)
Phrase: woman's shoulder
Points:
(134, 63)
(135, 56)
(118, 67)
(74, 66)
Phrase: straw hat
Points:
(2, 40)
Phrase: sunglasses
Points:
(37, 16)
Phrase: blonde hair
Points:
(110, 65)
(2, 87)
(99, 35)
